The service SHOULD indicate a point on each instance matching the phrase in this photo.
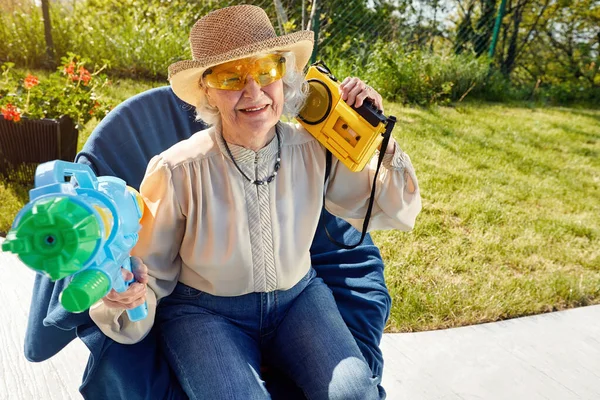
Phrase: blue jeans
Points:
(216, 345)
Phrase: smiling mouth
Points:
(254, 109)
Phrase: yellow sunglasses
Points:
(232, 75)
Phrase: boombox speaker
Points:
(351, 134)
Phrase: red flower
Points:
(11, 113)
(84, 75)
(30, 81)
(69, 69)
(94, 107)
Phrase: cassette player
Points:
(352, 134)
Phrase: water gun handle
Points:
(91, 284)
(140, 312)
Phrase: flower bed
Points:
(41, 117)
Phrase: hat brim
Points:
(184, 76)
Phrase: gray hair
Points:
(295, 91)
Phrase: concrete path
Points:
(553, 356)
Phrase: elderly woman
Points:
(231, 214)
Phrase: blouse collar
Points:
(243, 155)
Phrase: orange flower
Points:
(84, 75)
(11, 113)
(94, 107)
(30, 81)
(69, 69)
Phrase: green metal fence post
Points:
(497, 28)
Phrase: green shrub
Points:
(138, 38)
(499, 88)
(569, 92)
(22, 36)
(416, 76)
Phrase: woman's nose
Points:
(252, 88)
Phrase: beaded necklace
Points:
(259, 182)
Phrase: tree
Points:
(51, 62)
(566, 45)
(485, 26)
(476, 26)
(464, 32)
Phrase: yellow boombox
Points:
(351, 134)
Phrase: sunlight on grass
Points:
(511, 217)
(12, 198)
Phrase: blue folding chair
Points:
(121, 145)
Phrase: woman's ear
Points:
(208, 98)
(204, 90)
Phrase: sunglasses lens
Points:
(268, 69)
(232, 76)
(228, 77)
(230, 80)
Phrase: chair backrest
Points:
(135, 131)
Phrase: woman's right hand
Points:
(135, 295)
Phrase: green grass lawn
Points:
(511, 215)
(511, 212)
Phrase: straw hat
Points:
(229, 34)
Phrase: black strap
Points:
(328, 160)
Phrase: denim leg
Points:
(281, 386)
(137, 371)
(213, 356)
(314, 346)
(357, 281)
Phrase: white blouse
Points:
(208, 227)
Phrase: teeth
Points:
(254, 109)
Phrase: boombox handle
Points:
(391, 122)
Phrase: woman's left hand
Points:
(354, 92)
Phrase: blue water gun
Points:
(79, 226)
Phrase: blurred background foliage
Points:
(413, 51)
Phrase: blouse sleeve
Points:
(158, 246)
(397, 199)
